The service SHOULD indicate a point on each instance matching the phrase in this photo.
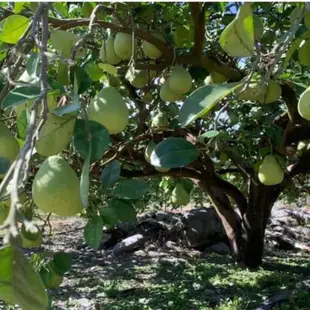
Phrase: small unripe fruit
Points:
(180, 81)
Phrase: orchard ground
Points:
(159, 277)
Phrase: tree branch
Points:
(198, 15)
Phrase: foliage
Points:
(215, 86)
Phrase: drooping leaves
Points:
(203, 100)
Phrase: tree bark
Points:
(245, 230)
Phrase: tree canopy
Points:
(103, 106)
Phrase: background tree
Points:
(211, 94)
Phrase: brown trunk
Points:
(245, 231)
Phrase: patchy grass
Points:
(158, 280)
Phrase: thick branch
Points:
(198, 15)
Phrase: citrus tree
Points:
(105, 106)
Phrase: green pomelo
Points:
(141, 79)
(273, 92)
(55, 135)
(109, 109)
(51, 103)
(9, 147)
(151, 50)
(180, 81)
(215, 78)
(180, 196)
(147, 96)
(123, 45)
(56, 188)
(253, 92)
(303, 105)
(107, 53)
(303, 54)
(232, 118)
(166, 94)
(270, 172)
(30, 240)
(160, 120)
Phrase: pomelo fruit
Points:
(303, 105)
(303, 54)
(270, 172)
(180, 81)
(140, 79)
(109, 109)
(180, 196)
(151, 50)
(166, 94)
(215, 78)
(55, 135)
(30, 239)
(56, 188)
(123, 45)
(107, 53)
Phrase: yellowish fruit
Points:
(273, 92)
(151, 50)
(180, 196)
(107, 53)
(270, 172)
(56, 188)
(141, 79)
(55, 134)
(215, 78)
(87, 9)
(303, 54)
(109, 109)
(30, 240)
(123, 45)
(160, 120)
(304, 104)
(180, 81)
(9, 147)
(166, 94)
(51, 104)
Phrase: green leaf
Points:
(94, 72)
(124, 211)
(62, 262)
(61, 8)
(187, 184)
(203, 100)
(108, 68)
(82, 79)
(32, 64)
(108, 216)
(21, 124)
(12, 28)
(110, 174)
(131, 189)
(4, 165)
(174, 153)
(19, 283)
(95, 133)
(208, 135)
(19, 6)
(93, 231)
(20, 95)
(84, 183)
(67, 109)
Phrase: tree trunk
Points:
(245, 230)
